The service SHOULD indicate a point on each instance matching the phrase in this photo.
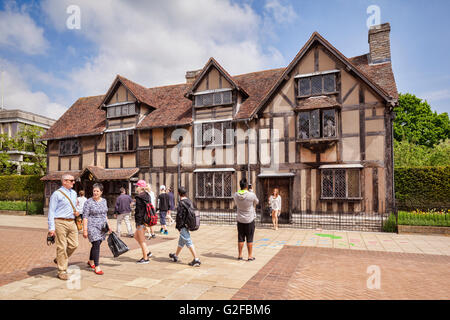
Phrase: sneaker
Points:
(153, 235)
(161, 231)
(149, 254)
(131, 235)
(166, 233)
(195, 263)
(173, 256)
(143, 261)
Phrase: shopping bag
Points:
(116, 245)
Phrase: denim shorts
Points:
(185, 238)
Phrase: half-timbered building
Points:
(319, 129)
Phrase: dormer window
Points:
(216, 97)
(317, 83)
(121, 110)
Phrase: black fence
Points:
(300, 220)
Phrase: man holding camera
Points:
(61, 223)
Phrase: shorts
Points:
(162, 217)
(246, 230)
(140, 226)
(185, 238)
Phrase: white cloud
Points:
(437, 95)
(18, 95)
(281, 13)
(18, 31)
(154, 42)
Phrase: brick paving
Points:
(24, 252)
(327, 273)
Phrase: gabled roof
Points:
(316, 37)
(103, 174)
(213, 63)
(139, 92)
(83, 118)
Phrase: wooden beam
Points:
(362, 123)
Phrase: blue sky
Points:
(47, 66)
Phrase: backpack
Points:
(192, 218)
(150, 217)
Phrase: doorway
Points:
(284, 185)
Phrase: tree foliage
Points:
(415, 122)
(407, 154)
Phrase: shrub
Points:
(34, 207)
(390, 225)
(20, 187)
(422, 188)
(424, 218)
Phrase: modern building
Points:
(319, 129)
(11, 121)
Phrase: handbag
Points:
(105, 228)
(78, 220)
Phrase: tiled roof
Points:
(82, 118)
(317, 102)
(57, 175)
(111, 174)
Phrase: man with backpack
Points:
(186, 220)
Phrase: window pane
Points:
(198, 135)
(198, 100)
(316, 84)
(208, 99)
(207, 133)
(218, 98)
(315, 124)
(130, 136)
(329, 83)
(304, 125)
(227, 133)
(208, 184)
(110, 112)
(118, 109)
(329, 123)
(305, 86)
(131, 108)
(200, 184)
(226, 97)
(218, 191)
(109, 142)
(353, 183)
(339, 183)
(227, 184)
(327, 183)
(75, 147)
(122, 141)
(62, 147)
(218, 133)
(116, 141)
(125, 110)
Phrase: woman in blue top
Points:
(95, 213)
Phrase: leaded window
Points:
(317, 85)
(120, 141)
(317, 124)
(213, 134)
(122, 110)
(214, 184)
(69, 147)
(341, 183)
(213, 98)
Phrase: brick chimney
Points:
(192, 75)
(379, 43)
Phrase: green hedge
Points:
(19, 187)
(34, 207)
(424, 219)
(422, 188)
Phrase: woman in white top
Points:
(275, 204)
(80, 202)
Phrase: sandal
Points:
(99, 272)
(240, 258)
(251, 259)
(91, 265)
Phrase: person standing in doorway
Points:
(246, 202)
(123, 210)
(96, 225)
(163, 206)
(275, 205)
(80, 202)
(62, 225)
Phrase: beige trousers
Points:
(66, 242)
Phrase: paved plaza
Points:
(290, 264)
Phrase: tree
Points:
(408, 154)
(415, 122)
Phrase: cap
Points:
(141, 183)
(162, 187)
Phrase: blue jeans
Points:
(185, 239)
